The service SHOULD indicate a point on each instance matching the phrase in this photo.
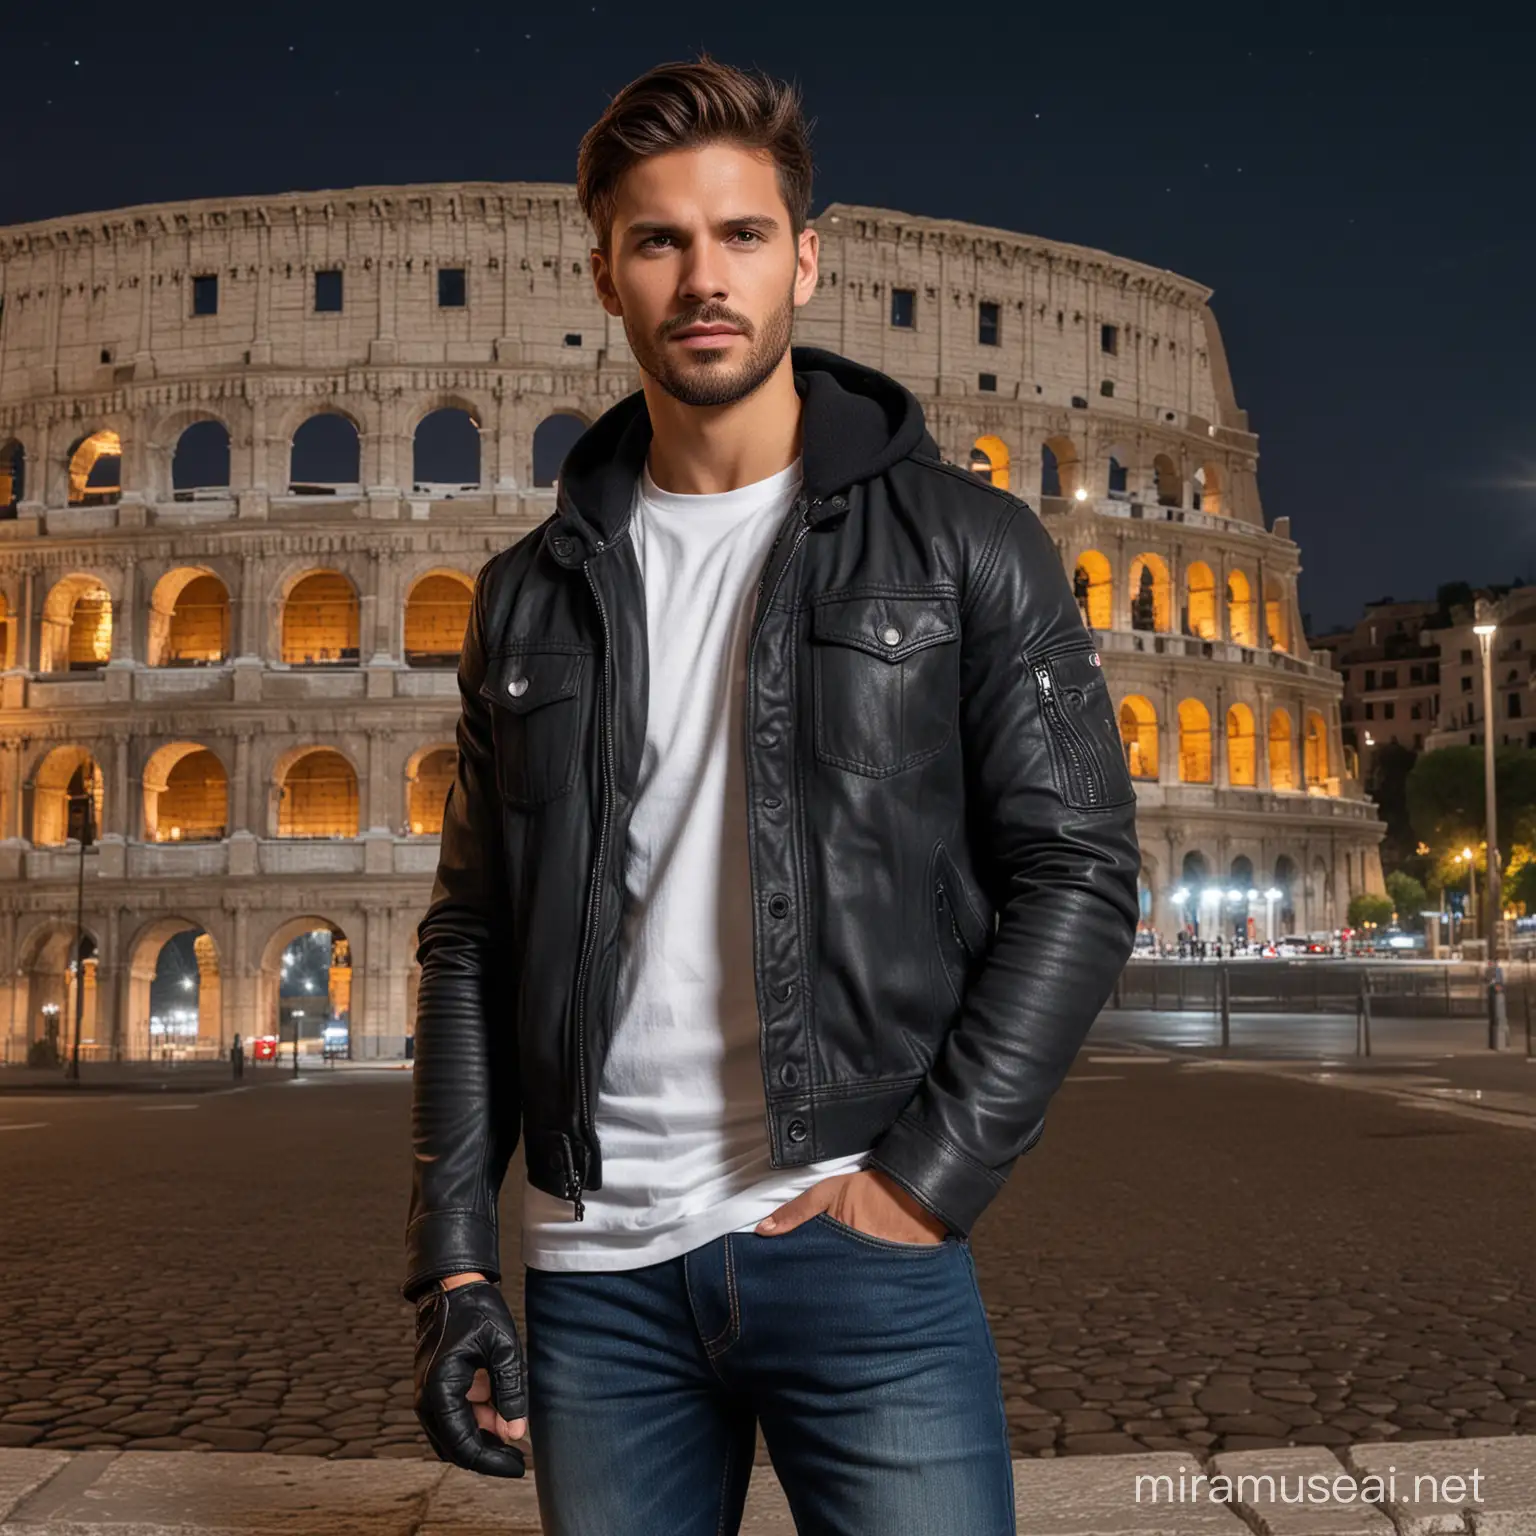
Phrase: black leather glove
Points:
(458, 1332)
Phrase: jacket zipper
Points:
(1065, 734)
(949, 910)
(573, 1174)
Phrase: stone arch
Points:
(1118, 472)
(1151, 593)
(1200, 601)
(1168, 481)
(1208, 489)
(991, 461)
(436, 616)
(1276, 615)
(1061, 468)
(175, 992)
(321, 616)
(325, 454)
(553, 438)
(76, 624)
(304, 949)
(1093, 584)
(13, 476)
(200, 458)
(1138, 735)
(1321, 903)
(1242, 747)
(1240, 614)
(429, 774)
(1287, 882)
(94, 465)
(446, 456)
(1194, 742)
(186, 794)
(315, 794)
(1315, 751)
(189, 619)
(1282, 754)
(44, 985)
(64, 772)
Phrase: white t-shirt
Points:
(680, 1110)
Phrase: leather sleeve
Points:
(466, 1095)
(1051, 822)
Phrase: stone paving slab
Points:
(221, 1493)
(1277, 1494)
(1507, 1483)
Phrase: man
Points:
(790, 856)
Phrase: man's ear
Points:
(602, 282)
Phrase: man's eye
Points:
(649, 238)
(751, 234)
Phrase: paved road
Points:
(1194, 1257)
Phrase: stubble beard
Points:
(706, 377)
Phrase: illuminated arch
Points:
(1315, 751)
(65, 772)
(1240, 615)
(1208, 495)
(1242, 747)
(77, 625)
(320, 621)
(1194, 742)
(186, 795)
(189, 619)
(429, 776)
(1151, 593)
(990, 460)
(1276, 615)
(95, 469)
(1138, 735)
(1282, 755)
(436, 616)
(317, 794)
(1093, 584)
(181, 959)
(1200, 590)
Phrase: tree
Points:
(1368, 907)
(1408, 898)
(1445, 796)
(1386, 782)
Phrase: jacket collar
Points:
(856, 422)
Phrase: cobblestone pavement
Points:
(1190, 1260)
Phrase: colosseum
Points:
(253, 451)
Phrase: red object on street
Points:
(264, 1048)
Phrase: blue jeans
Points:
(869, 1363)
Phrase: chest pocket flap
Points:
(536, 721)
(885, 674)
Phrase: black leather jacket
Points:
(941, 828)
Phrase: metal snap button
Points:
(789, 1074)
(517, 686)
(561, 544)
(890, 634)
(797, 1130)
(778, 904)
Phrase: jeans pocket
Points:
(890, 1244)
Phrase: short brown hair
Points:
(686, 104)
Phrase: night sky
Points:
(1355, 183)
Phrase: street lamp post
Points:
(1486, 622)
(87, 828)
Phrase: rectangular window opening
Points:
(987, 322)
(205, 294)
(328, 292)
(450, 288)
(903, 307)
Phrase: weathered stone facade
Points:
(249, 675)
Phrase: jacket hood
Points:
(856, 423)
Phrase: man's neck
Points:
(704, 450)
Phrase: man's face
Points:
(701, 239)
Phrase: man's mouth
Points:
(703, 335)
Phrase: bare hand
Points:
(866, 1200)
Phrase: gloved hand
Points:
(458, 1332)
